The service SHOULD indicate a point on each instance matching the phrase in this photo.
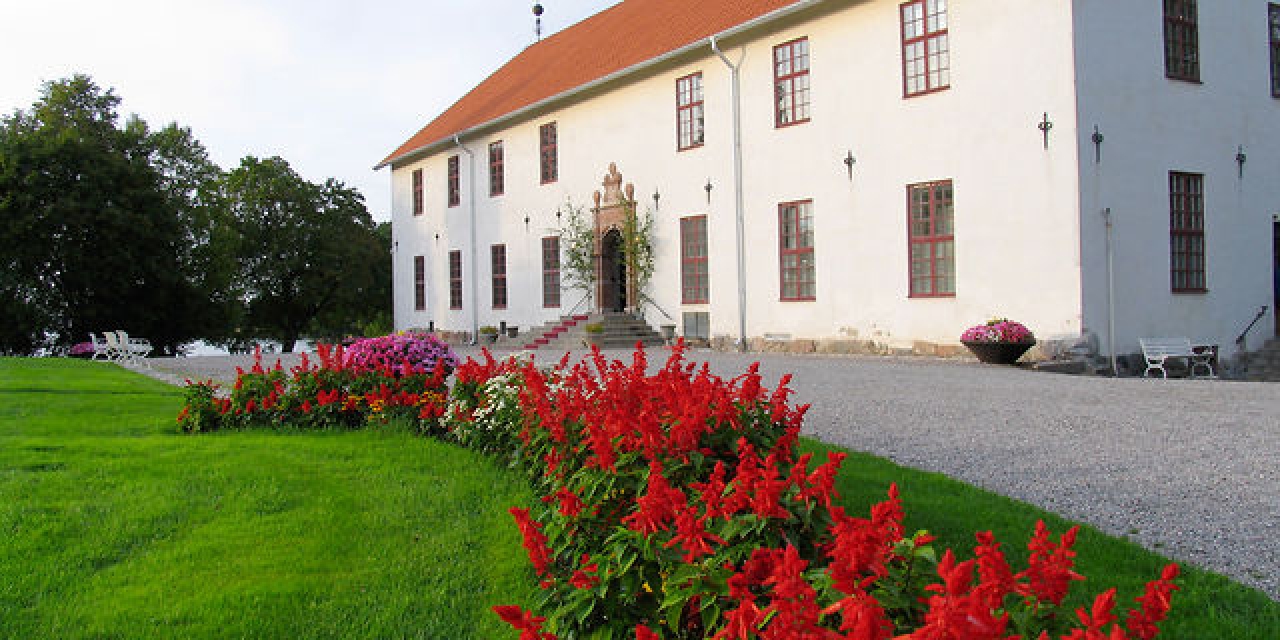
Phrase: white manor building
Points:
(878, 172)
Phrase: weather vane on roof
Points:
(537, 20)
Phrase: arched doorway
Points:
(613, 272)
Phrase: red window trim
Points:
(419, 283)
(688, 262)
(418, 202)
(798, 251)
(1190, 203)
(551, 272)
(548, 153)
(455, 279)
(497, 169)
(791, 96)
(498, 271)
(923, 39)
(1273, 31)
(690, 107)
(933, 239)
(455, 190)
(1174, 24)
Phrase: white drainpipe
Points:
(473, 275)
(739, 206)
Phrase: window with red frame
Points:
(551, 271)
(1186, 232)
(791, 82)
(419, 283)
(454, 189)
(417, 192)
(926, 57)
(931, 229)
(498, 255)
(547, 155)
(795, 250)
(1181, 40)
(689, 111)
(497, 177)
(1273, 22)
(694, 285)
(455, 279)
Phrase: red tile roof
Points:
(627, 34)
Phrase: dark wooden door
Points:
(613, 273)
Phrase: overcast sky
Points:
(330, 86)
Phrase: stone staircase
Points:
(1264, 364)
(621, 331)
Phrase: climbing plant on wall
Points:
(578, 237)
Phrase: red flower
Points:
(743, 622)
(1155, 601)
(643, 633)
(994, 575)
(570, 504)
(692, 535)
(529, 625)
(658, 506)
(534, 540)
(585, 577)
(1049, 573)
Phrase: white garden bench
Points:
(1158, 351)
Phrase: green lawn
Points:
(112, 525)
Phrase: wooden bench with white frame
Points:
(1158, 351)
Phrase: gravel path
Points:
(1189, 468)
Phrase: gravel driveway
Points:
(1191, 466)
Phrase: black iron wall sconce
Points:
(708, 190)
(1045, 126)
(656, 197)
(1240, 160)
(1097, 145)
(849, 161)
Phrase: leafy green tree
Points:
(310, 258)
(88, 237)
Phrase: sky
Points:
(332, 87)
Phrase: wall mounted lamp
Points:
(1240, 160)
(656, 197)
(708, 190)
(1097, 145)
(1045, 126)
(849, 161)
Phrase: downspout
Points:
(739, 207)
(474, 275)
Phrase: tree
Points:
(309, 255)
(88, 238)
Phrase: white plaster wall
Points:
(1153, 125)
(1016, 203)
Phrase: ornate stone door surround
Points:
(610, 213)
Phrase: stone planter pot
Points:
(999, 352)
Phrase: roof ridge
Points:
(583, 53)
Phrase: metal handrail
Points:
(1240, 340)
(645, 298)
(575, 307)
